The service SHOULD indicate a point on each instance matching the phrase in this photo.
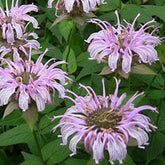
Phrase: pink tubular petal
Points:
(73, 143)
(23, 100)
(40, 103)
(69, 5)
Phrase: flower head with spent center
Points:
(103, 123)
(27, 82)
(123, 47)
(13, 21)
(75, 9)
(79, 5)
(20, 48)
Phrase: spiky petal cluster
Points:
(20, 48)
(13, 24)
(69, 5)
(104, 123)
(123, 45)
(27, 82)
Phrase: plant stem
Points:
(120, 4)
(38, 146)
(70, 39)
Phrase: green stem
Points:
(120, 4)
(129, 83)
(38, 146)
(139, 2)
(111, 90)
(70, 39)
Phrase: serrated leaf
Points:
(142, 69)
(54, 153)
(65, 28)
(16, 135)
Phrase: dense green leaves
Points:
(16, 135)
(54, 153)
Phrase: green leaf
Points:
(13, 119)
(110, 5)
(90, 67)
(55, 30)
(53, 52)
(82, 59)
(65, 28)
(19, 134)
(157, 162)
(54, 153)
(28, 156)
(134, 10)
(158, 11)
(31, 116)
(1, 5)
(142, 69)
(32, 162)
(73, 161)
(156, 94)
(46, 124)
(156, 146)
(69, 56)
(4, 158)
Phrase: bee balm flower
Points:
(14, 38)
(104, 123)
(122, 47)
(27, 82)
(14, 20)
(70, 5)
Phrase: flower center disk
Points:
(104, 118)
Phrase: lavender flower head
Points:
(28, 82)
(70, 5)
(13, 24)
(123, 47)
(105, 123)
(20, 48)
